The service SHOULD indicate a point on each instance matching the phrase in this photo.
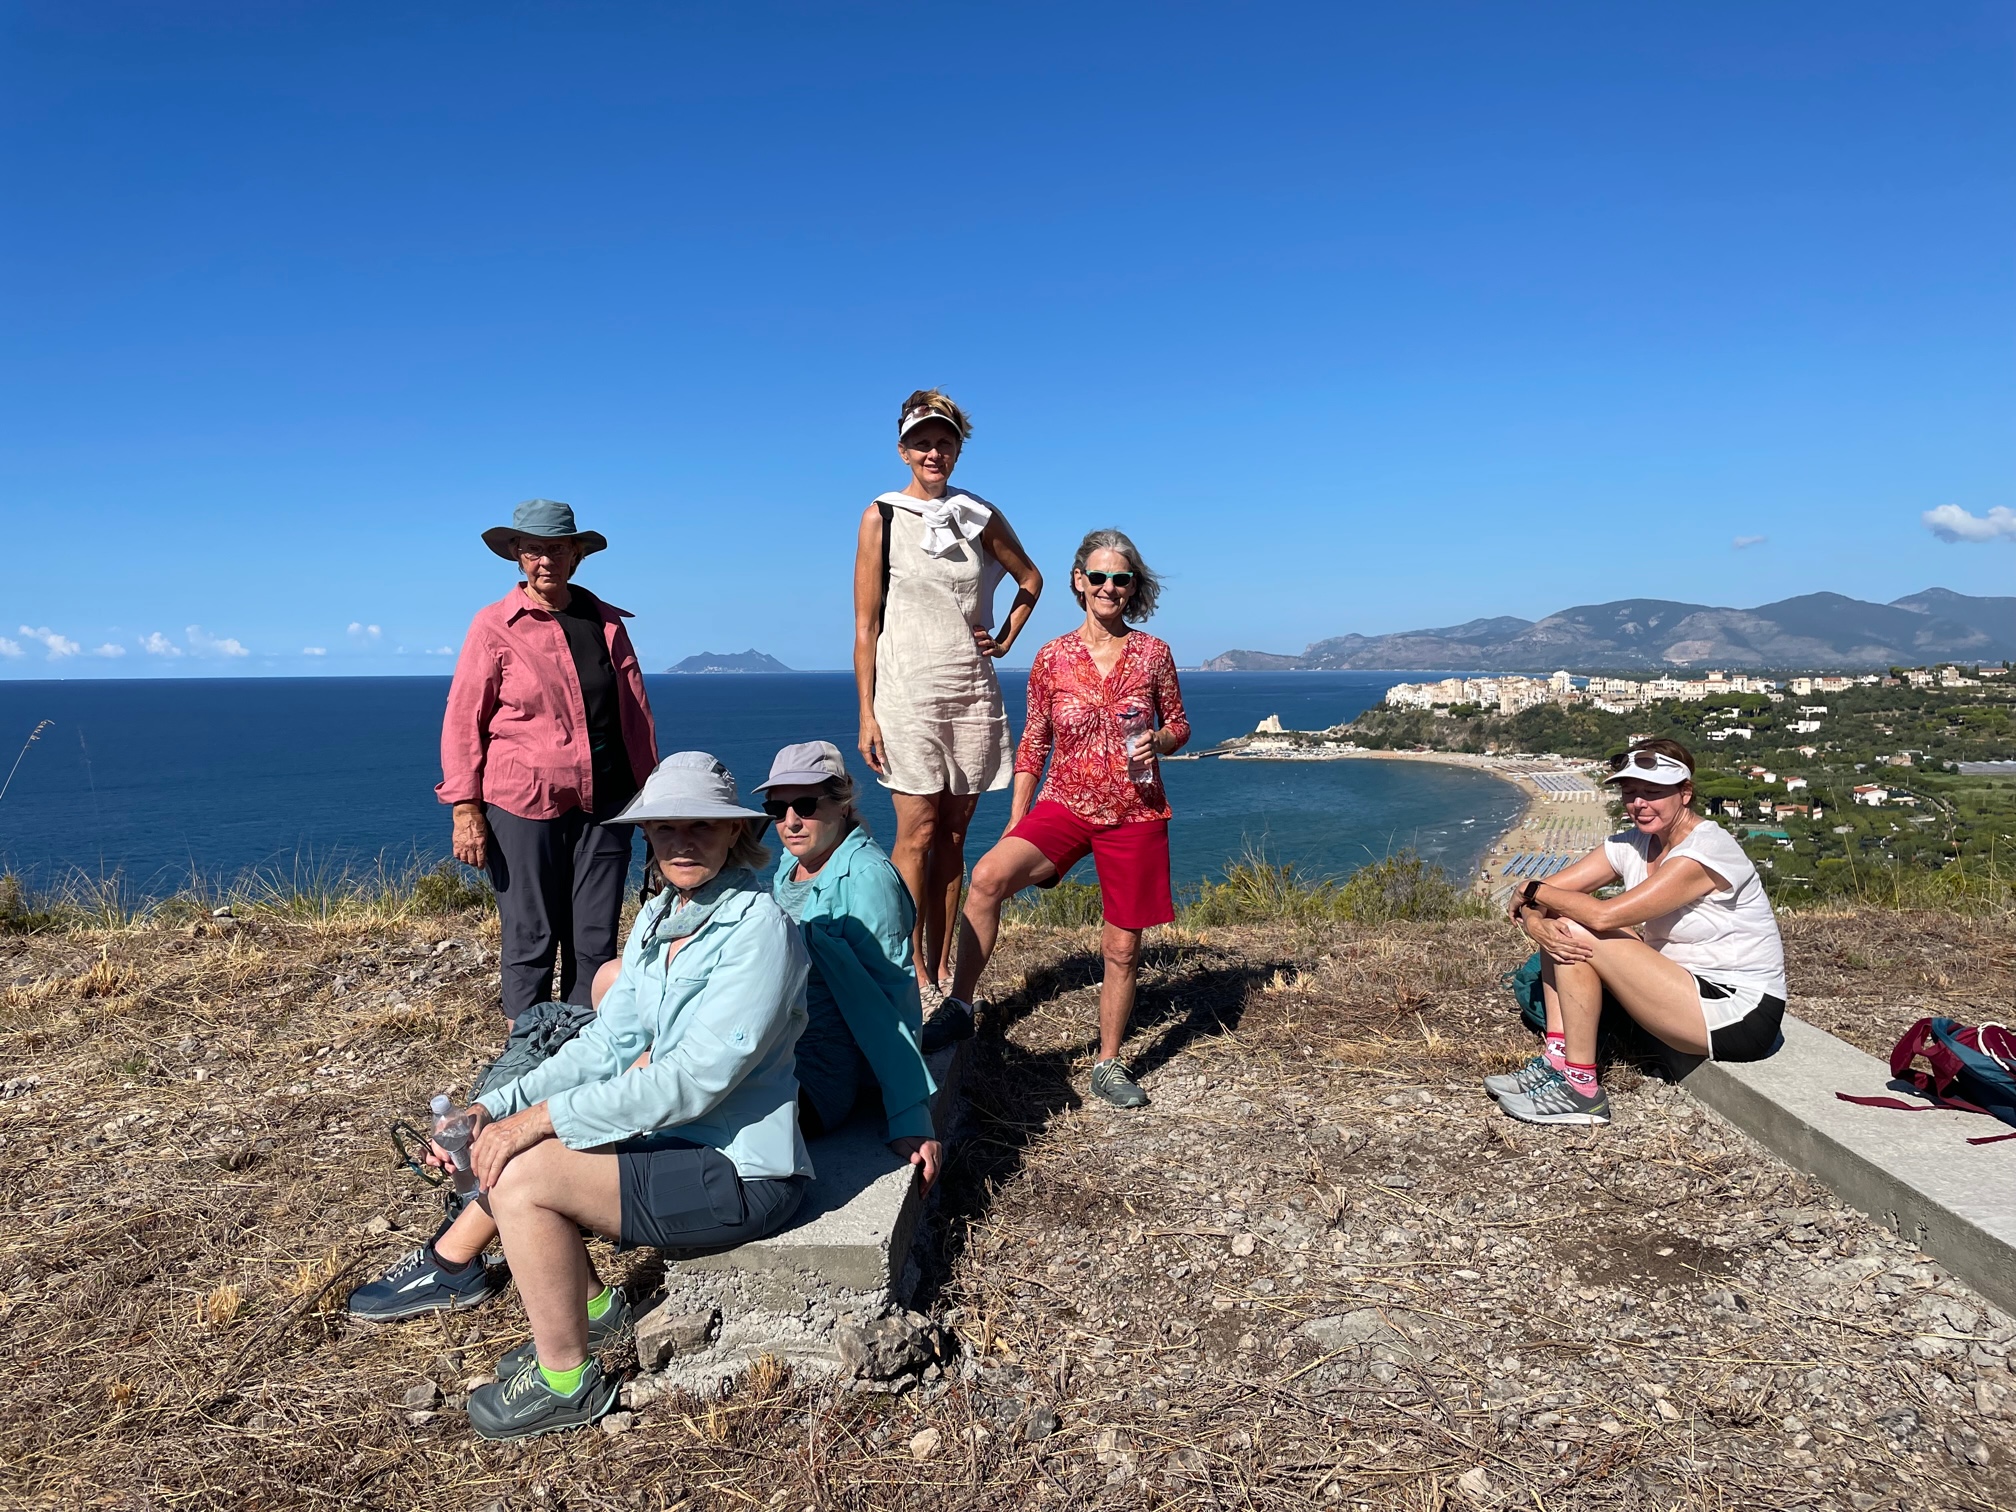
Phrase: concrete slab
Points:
(852, 1233)
(1915, 1173)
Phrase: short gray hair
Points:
(1147, 587)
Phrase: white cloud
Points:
(110, 650)
(1744, 543)
(157, 644)
(1950, 522)
(10, 648)
(442, 651)
(363, 631)
(59, 646)
(205, 644)
(314, 650)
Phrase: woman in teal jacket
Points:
(861, 997)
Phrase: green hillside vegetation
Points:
(1939, 838)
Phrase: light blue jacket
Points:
(857, 919)
(720, 1026)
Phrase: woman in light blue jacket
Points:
(863, 1016)
(696, 1151)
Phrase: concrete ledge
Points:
(1915, 1173)
(853, 1232)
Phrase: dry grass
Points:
(191, 1150)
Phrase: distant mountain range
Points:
(731, 661)
(1814, 631)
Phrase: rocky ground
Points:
(1319, 1269)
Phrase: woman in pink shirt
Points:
(547, 736)
(1103, 704)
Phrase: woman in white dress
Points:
(1690, 948)
(933, 727)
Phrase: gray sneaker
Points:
(1111, 1081)
(1555, 1102)
(600, 1331)
(525, 1406)
(1528, 1078)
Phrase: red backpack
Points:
(1973, 1070)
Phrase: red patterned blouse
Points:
(1074, 720)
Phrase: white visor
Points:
(917, 417)
(1664, 770)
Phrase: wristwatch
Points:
(1526, 893)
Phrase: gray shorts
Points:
(689, 1199)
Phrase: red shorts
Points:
(1132, 860)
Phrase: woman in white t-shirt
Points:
(1690, 947)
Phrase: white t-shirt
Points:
(1730, 937)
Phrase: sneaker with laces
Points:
(1555, 1102)
(1526, 1079)
(420, 1283)
(1111, 1081)
(951, 1023)
(600, 1331)
(525, 1406)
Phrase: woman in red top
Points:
(1103, 704)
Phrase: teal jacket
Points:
(857, 921)
(721, 1027)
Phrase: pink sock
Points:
(1556, 1051)
(1581, 1078)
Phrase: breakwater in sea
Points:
(159, 781)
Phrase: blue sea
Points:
(157, 783)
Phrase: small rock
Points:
(977, 1434)
(617, 1422)
(417, 1419)
(663, 1333)
(1039, 1423)
(1667, 1410)
(378, 1226)
(1242, 1245)
(1474, 1483)
(883, 1349)
(926, 1444)
(1361, 1325)
(639, 1391)
(420, 1396)
(1611, 1426)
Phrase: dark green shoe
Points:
(1111, 1081)
(525, 1406)
(600, 1331)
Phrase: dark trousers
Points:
(559, 889)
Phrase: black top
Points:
(615, 784)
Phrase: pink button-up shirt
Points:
(516, 731)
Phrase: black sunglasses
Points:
(804, 807)
(1099, 579)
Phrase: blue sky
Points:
(1358, 317)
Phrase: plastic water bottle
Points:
(1135, 722)
(451, 1132)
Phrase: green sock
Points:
(564, 1382)
(601, 1302)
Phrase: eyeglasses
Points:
(804, 807)
(550, 549)
(1100, 579)
(925, 448)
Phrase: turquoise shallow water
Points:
(156, 781)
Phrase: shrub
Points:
(1068, 905)
(451, 888)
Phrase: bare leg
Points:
(541, 1200)
(1122, 949)
(910, 853)
(1658, 993)
(946, 879)
(605, 978)
(997, 876)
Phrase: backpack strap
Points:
(888, 512)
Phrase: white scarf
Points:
(947, 521)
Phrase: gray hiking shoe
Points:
(525, 1406)
(1111, 1081)
(600, 1331)
(1555, 1102)
(1528, 1078)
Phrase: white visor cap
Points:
(918, 417)
(1652, 766)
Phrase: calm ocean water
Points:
(156, 782)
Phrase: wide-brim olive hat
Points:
(546, 518)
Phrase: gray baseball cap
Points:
(687, 785)
(806, 764)
(546, 518)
